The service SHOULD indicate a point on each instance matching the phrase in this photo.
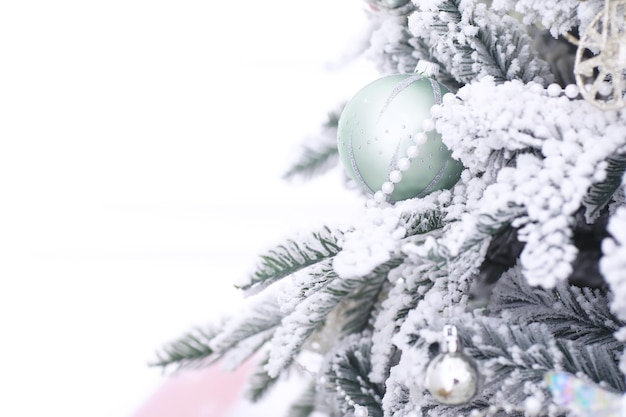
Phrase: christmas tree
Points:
(486, 275)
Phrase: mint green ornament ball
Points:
(381, 122)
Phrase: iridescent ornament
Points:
(452, 377)
(386, 125)
(584, 399)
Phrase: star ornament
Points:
(584, 399)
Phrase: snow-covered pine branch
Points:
(578, 314)
(292, 256)
(559, 17)
(613, 263)
(472, 42)
(318, 153)
(312, 312)
(346, 373)
(556, 149)
(190, 350)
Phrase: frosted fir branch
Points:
(613, 262)
(566, 146)
(397, 51)
(191, 350)
(472, 42)
(291, 257)
(601, 193)
(259, 381)
(596, 362)
(311, 313)
(318, 154)
(314, 161)
(236, 355)
(346, 373)
(361, 304)
(380, 233)
(572, 313)
(408, 290)
(243, 335)
(305, 404)
(264, 314)
(447, 298)
(559, 17)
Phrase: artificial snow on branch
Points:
(556, 149)
(292, 256)
(472, 42)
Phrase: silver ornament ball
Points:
(452, 378)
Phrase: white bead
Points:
(379, 197)
(420, 138)
(360, 411)
(412, 151)
(387, 187)
(404, 164)
(554, 90)
(395, 176)
(448, 99)
(428, 125)
(571, 91)
(371, 203)
(351, 403)
(435, 110)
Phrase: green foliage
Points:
(259, 383)
(578, 314)
(293, 256)
(348, 370)
(320, 155)
(305, 404)
(312, 313)
(499, 47)
(601, 193)
(190, 350)
(314, 161)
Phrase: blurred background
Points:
(142, 145)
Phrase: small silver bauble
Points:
(452, 376)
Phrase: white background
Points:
(141, 149)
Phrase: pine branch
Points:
(471, 41)
(259, 382)
(305, 404)
(320, 155)
(291, 257)
(311, 313)
(313, 161)
(598, 362)
(402, 298)
(348, 370)
(601, 193)
(362, 303)
(189, 351)
(572, 313)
